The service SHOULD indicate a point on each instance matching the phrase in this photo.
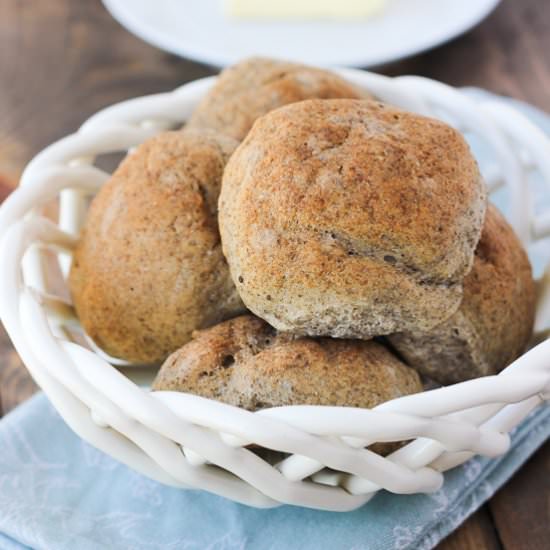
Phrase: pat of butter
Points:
(302, 9)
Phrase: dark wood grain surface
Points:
(62, 60)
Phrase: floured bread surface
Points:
(494, 321)
(149, 269)
(258, 85)
(246, 363)
(350, 218)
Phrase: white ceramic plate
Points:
(197, 29)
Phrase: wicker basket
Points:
(191, 442)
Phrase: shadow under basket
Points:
(318, 456)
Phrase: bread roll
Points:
(351, 218)
(149, 269)
(244, 362)
(258, 85)
(494, 321)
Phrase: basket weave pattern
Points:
(188, 441)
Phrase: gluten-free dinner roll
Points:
(255, 86)
(246, 363)
(495, 319)
(351, 218)
(148, 269)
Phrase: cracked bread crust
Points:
(148, 268)
(495, 319)
(350, 218)
(244, 362)
(255, 86)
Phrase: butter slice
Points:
(302, 9)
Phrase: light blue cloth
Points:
(58, 493)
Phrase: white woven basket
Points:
(188, 441)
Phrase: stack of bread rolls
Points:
(299, 242)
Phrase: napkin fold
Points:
(59, 493)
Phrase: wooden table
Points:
(62, 60)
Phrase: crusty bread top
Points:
(244, 362)
(321, 188)
(376, 177)
(148, 268)
(202, 365)
(255, 86)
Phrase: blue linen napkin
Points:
(59, 493)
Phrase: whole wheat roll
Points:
(244, 362)
(351, 218)
(253, 87)
(148, 268)
(494, 322)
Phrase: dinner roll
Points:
(244, 362)
(494, 321)
(351, 218)
(258, 85)
(148, 268)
